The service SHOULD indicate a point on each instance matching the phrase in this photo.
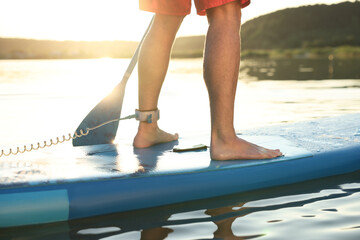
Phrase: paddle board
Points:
(64, 183)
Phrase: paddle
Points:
(108, 109)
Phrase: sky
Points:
(97, 20)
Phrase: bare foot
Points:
(150, 134)
(237, 148)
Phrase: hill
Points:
(305, 27)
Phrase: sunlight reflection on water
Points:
(43, 99)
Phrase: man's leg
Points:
(221, 69)
(153, 63)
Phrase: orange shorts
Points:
(182, 7)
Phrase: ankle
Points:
(224, 136)
(146, 127)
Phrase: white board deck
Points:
(68, 164)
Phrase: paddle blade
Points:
(108, 109)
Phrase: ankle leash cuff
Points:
(147, 116)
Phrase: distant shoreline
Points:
(17, 48)
(341, 52)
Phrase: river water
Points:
(43, 99)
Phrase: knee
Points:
(228, 14)
(168, 23)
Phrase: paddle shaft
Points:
(134, 59)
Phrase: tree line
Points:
(305, 27)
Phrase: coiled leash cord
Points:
(52, 142)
